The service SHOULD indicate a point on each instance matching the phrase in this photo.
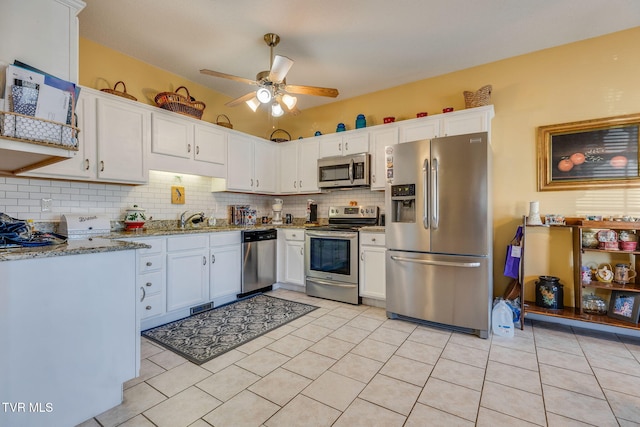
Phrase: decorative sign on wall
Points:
(177, 195)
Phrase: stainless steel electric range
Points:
(331, 253)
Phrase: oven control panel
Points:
(354, 212)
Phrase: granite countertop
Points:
(72, 247)
(152, 232)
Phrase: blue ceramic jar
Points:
(361, 121)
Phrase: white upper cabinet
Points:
(342, 144)
(43, 34)
(417, 129)
(251, 165)
(298, 168)
(210, 144)
(470, 120)
(171, 135)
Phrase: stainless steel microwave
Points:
(344, 171)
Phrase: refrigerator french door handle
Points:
(442, 263)
(351, 171)
(435, 194)
(425, 195)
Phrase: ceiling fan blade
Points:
(312, 90)
(238, 101)
(228, 76)
(280, 68)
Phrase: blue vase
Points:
(361, 121)
(341, 127)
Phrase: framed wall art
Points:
(624, 306)
(599, 153)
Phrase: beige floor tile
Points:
(516, 403)
(578, 406)
(375, 350)
(290, 345)
(463, 354)
(459, 373)
(91, 422)
(200, 423)
(454, 399)
(182, 409)
(625, 406)
(148, 348)
(319, 312)
(346, 312)
(330, 321)
(280, 332)
(421, 352)
(490, 418)
(147, 370)
(334, 390)
(521, 359)
(516, 343)
(312, 332)
(179, 378)
(512, 376)
(555, 420)
(309, 364)
(376, 313)
(350, 334)
(423, 415)
(263, 361)
(367, 323)
(228, 382)
(469, 340)
(303, 412)
(601, 359)
(564, 360)
(244, 409)
(407, 370)
(571, 380)
(219, 363)
(255, 344)
(137, 399)
(138, 421)
(616, 381)
(366, 414)
(167, 359)
(332, 347)
(565, 344)
(357, 367)
(389, 336)
(625, 423)
(280, 386)
(301, 321)
(433, 337)
(391, 393)
(400, 325)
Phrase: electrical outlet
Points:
(45, 205)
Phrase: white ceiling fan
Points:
(273, 89)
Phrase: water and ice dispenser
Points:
(403, 203)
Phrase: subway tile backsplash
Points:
(21, 198)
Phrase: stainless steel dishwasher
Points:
(258, 260)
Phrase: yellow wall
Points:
(585, 80)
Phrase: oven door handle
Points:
(328, 283)
(332, 234)
(443, 263)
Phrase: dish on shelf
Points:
(604, 273)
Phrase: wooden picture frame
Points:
(624, 306)
(590, 154)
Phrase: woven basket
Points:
(187, 105)
(226, 124)
(118, 93)
(478, 98)
(280, 139)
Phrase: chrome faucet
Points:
(183, 221)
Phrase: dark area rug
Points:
(201, 337)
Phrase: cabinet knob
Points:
(148, 284)
(373, 239)
(149, 263)
(148, 307)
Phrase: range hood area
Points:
(20, 156)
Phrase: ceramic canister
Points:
(549, 292)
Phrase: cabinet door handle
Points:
(252, 182)
(295, 184)
(373, 177)
(86, 164)
(257, 183)
(101, 165)
(213, 259)
(144, 294)
(301, 251)
(149, 263)
(197, 149)
(204, 260)
(188, 148)
(361, 256)
(346, 146)
(300, 184)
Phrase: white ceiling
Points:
(356, 46)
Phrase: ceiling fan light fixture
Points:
(276, 110)
(264, 95)
(289, 101)
(253, 103)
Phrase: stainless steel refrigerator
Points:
(439, 232)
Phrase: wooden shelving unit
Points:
(581, 256)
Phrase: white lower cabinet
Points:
(291, 256)
(187, 271)
(372, 265)
(225, 268)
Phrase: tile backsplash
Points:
(21, 198)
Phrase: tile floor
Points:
(345, 365)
